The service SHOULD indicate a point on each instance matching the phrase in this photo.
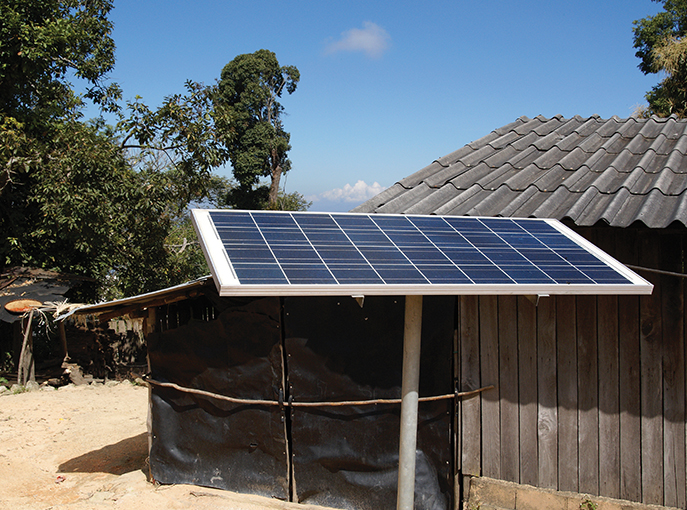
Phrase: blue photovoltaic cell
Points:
(282, 248)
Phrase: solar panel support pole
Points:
(409, 405)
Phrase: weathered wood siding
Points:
(590, 391)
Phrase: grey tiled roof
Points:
(617, 171)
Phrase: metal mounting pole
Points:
(410, 387)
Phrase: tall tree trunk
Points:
(276, 177)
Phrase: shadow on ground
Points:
(123, 457)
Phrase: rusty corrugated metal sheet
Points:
(587, 170)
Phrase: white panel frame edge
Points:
(228, 284)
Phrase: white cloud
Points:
(372, 40)
(359, 192)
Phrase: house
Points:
(590, 390)
(281, 376)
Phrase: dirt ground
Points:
(85, 447)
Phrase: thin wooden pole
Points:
(26, 370)
(409, 405)
(63, 340)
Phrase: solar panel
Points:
(308, 253)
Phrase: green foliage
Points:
(111, 203)
(588, 504)
(183, 132)
(188, 261)
(73, 196)
(658, 40)
(247, 97)
(291, 202)
(40, 43)
(85, 211)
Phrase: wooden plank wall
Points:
(590, 391)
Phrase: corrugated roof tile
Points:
(665, 181)
(433, 201)
(525, 141)
(419, 176)
(630, 127)
(625, 161)
(478, 155)
(649, 209)
(681, 143)
(581, 179)
(497, 200)
(527, 157)
(381, 198)
(456, 206)
(608, 128)
(544, 180)
(531, 125)
(677, 162)
(672, 129)
(548, 141)
(471, 176)
(600, 161)
(615, 144)
(511, 127)
(505, 155)
(481, 142)
(574, 159)
(608, 181)
(639, 144)
(589, 126)
(557, 204)
(444, 175)
(550, 158)
(407, 199)
(618, 171)
(503, 141)
(592, 143)
(649, 130)
(455, 156)
(570, 141)
(524, 204)
(496, 178)
(553, 124)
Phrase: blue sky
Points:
(387, 87)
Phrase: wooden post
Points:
(409, 405)
(150, 322)
(63, 339)
(27, 368)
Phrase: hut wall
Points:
(590, 391)
(300, 349)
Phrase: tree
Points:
(111, 203)
(76, 196)
(248, 93)
(40, 42)
(660, 47)
(181, 137)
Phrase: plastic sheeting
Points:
(209, 442)
(325, 349)
(347, 457)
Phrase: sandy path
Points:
(85, 447)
